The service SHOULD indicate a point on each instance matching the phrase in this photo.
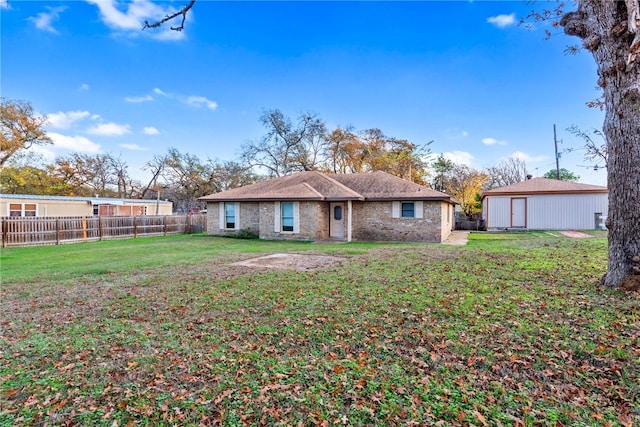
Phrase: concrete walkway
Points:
(457, 238)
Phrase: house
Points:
(24, 205)
(545, 204)
(317, 206)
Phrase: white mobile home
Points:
(27, 205)
(545, 204)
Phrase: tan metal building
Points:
(25, 205)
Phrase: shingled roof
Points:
(545, 186)
(330, 187)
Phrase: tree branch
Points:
(167, 18)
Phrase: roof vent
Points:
(529, 176)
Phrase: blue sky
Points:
(460, 73)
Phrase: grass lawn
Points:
(508, 330)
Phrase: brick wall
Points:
(371, 221)
(248, 215)
(374, 221)
(313, 222)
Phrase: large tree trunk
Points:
(610, 30)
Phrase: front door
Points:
(336, 223)
(519, 212)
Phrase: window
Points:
(408, 210)
(23, 209)
(286, 215)
(229, 215)
(30, 210)
(337, 213)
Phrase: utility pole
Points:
(555, 142)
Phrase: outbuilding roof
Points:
(545, 186)
(313, 185)
(92, 200)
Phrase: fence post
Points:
(135, 227)
(57, 231)
(164, 223)
(99, 228)
(5, 231)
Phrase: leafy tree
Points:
(21, 128)
(33, 180)
(565, 175)
(344, 150)
(442, 168)
(465, 185)
(506, 172)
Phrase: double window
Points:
(23, 209)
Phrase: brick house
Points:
(318, 206)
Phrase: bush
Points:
(244, 234)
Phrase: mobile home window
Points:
(230, 215)
(408, 210)
(286, 216)
(23, 209)
(30, 209)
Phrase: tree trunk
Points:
(609, 29)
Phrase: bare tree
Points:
(506, 172)
(20, 128)
(595, 151)
(181, 13)
(287, 147)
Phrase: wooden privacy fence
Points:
(24, 231)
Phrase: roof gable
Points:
(546, 186)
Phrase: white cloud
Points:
(134, 147)
(459, 157)
(74, 143)
(137, 99)
(129, 18)
(503, 20)
(199, 101)
(84, 86)
(493, 141)
(150, 130)
(62, 120)
(44, 20)
(528, 158)
(465, 134)
(109, 129)
(160, 92)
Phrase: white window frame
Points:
(277, 219)
(418, 209)
(23, 210)
(223, 215)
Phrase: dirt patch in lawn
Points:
(299, 262)
(576, 234)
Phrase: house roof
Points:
(92, 200)
(314, 185)
(545, 186)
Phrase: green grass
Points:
(509, 330)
